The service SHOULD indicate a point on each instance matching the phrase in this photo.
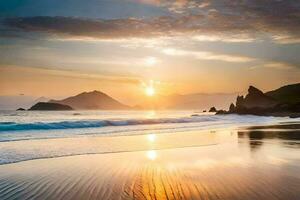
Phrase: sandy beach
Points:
(249, 163)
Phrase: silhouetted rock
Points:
(212, 109)
(94, 100)
(221, 112)
(286, 103)
(204, 111)
(231, 108)
(50, 106)
(289, 94)
(255, 99)
(21, 109)
(239, 100)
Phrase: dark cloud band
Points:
(279, 19)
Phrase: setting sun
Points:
(150, 91)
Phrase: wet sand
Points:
(249, 163)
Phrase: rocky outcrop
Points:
(221, 112)
(21, 109)
(50, 106)
(255, 99)
(258, 103)
(212, 109)
(232, 108)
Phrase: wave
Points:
(13, 126)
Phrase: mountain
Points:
(286, 94)
(41, 99)
(50, 106)
(94, 100)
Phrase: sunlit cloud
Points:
(203, 4)
(223, 38)
(70, 74)
(278, 65)
(151, 61)
(204, 55)
(275, 65)
(286, 39)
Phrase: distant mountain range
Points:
(198, 101)
(96, 100)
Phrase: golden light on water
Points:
(151, 155)
(151, 137)
(150, 114)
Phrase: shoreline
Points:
(232, 169)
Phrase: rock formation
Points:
(284, 101)
(212, 109)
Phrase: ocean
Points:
(147, 155)
(27, 135)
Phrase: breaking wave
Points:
(13, 126)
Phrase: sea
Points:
(21, 131)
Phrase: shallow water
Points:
(253, 162)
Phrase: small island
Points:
(46, 106)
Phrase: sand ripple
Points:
(174, 174)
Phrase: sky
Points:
(57, 48)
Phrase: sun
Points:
(150, 61)
(150, 91)
(152, 155)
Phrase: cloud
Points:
(204, 55)
(275, 65)
(5, 69)
(224, 38)
(278, 65)
(224, 19)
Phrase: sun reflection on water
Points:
(151, 155)
(151, 137)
